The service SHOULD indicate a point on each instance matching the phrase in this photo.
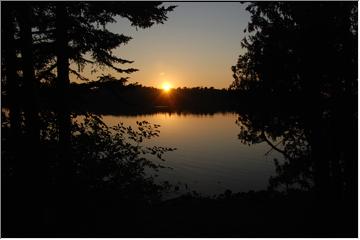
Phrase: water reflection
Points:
(209, 157)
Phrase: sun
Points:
(166, 87)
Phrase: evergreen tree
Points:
(303, 56)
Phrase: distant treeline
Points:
(114, 97)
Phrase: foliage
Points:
(89, 41)
(57, 36)
(288, 40)
(115, 157)
(284, 135)
(112, 159)
(299, 73)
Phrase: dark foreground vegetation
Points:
(252, 214)
(65, 175)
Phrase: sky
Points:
(196, 46)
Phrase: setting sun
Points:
(166, 87)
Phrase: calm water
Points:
(209, 157)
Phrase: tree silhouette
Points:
(43, 40)
(80, 30)
(301, 58)
(9, 68)
(51, 35)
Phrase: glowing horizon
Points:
(166, 86)
(195, 47)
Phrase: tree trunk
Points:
(348, 118)
(33, 169)
(31, 86)
(62, 86)
(12, 79)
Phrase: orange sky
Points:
(196, 46)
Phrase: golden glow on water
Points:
(209, 157)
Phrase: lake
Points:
(209, 157)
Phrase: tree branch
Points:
(78, 75)
(274, 146)
(45, 72)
